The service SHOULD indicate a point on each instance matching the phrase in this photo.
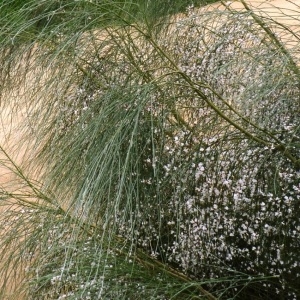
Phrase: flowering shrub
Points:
(205, 197)
(174, 146)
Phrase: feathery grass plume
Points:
(166, 152)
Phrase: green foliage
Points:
(34, 20)
(168, 165)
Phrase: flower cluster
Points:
(211, 165)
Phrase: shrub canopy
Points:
(168, 151)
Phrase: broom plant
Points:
(167, 152)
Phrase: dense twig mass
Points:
(168, 153)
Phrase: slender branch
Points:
(280, 147)
(273, 38)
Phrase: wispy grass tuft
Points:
(166, 152)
